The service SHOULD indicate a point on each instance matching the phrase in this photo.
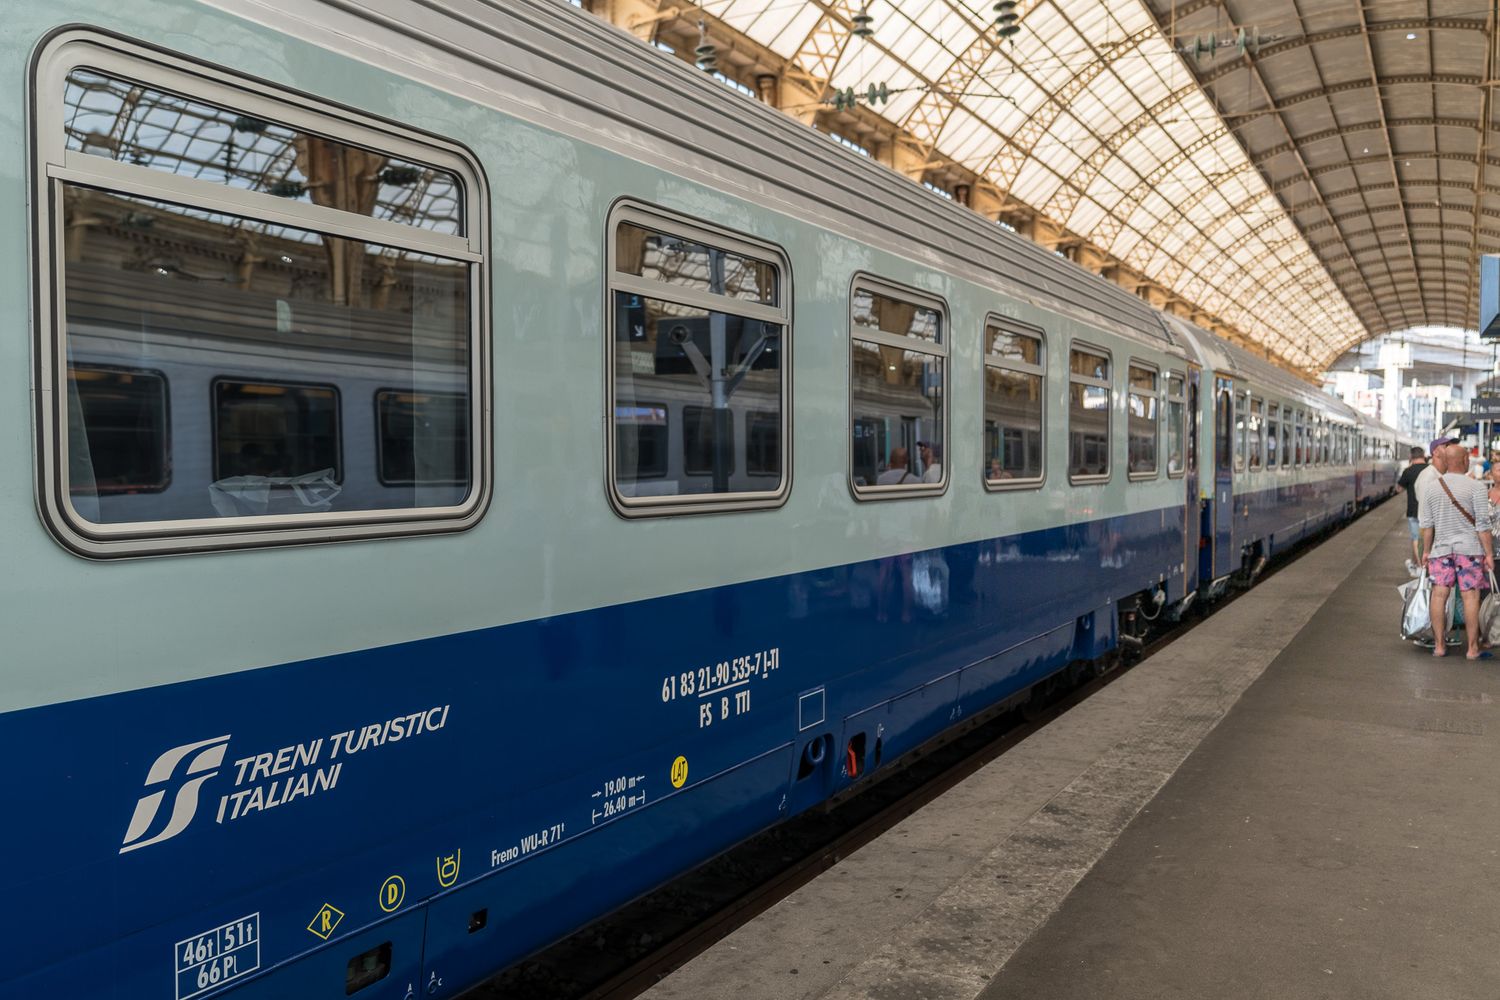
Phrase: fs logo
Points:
(203, 760)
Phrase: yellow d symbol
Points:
(392, 892)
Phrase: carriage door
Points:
(1191, 526)
(1223, 496)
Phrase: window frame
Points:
(1255, 433)
(52, 165)
(656, 218)
(1182, 433)
(1109, 411)
(943, 349)
(987, 361)
(1155, 473)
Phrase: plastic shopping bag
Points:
(1489, 615)
(1416, 610)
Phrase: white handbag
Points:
(1416, 613)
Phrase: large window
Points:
(1273, 440)
(1223, 424)
(1014, 410)
(698, 327)
(272, 262)
(1241, 429)
(898, 384)
(123, 448)
(1176, 423)
(1142, 400)
(1255, 428)
(1089, 396)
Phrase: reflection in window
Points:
(424, 438)
(266, 431)
(1176, 424)
(1223, 424)
(711, 364)
(701, 438)
(1088, 414)
(684, 263)
(122, 120)
(763, 443)
(1273, 434)
(1256, 428)
(125, 428)
(1141, 425)
(897, 364)
(1013, 406)
(641, 439)
(287, 319)
(661, 353)
(1241, 414)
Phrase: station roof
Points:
(1314, 186)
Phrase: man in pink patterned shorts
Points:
(1456, 545)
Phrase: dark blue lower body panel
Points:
(195, 837)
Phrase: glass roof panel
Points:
(1174, 174)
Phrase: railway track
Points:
(626, 953)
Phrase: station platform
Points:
(1286, 801)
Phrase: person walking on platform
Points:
(1408, 482)
(1436, 466)
(1456, 544)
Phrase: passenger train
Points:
(480, 468)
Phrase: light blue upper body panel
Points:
(550, 543)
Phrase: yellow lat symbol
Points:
(392, 892)
(679, 772)
(447, 869)
(325, 920)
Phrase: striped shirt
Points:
(1452, 532)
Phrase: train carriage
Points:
(482, 469)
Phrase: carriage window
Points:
(1088, 415)
(125, 431)
(423, 438)
(1141, 426)
(1014, 369)
(641, 439)
(1223, 423)
(699, 327)
(1241, 419)
(1176, 423)
(1256, 430)
(898, 372)
(305, 255)
(763, 443)
(1273, 423)
(1287, 447)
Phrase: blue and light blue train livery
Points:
(524, 770)
(397, 764)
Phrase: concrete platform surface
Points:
(1338, 836)
(935, 908)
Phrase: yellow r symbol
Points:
(326, 917)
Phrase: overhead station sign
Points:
(1489, 297)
